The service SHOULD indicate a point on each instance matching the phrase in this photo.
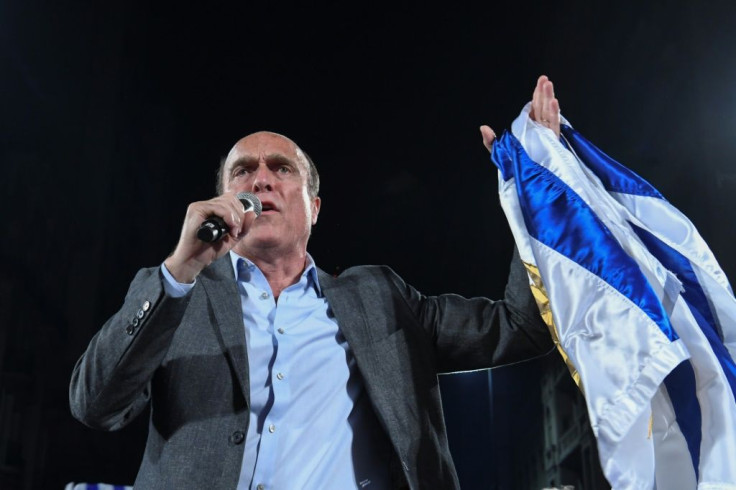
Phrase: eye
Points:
(285, 169)
(240, 171)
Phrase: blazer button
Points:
(130, 329)
(237, 437)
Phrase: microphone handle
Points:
(212, 229)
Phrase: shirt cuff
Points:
(172, 287)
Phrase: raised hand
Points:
(545, 110)
(191, 254)
(488, 137)
(545, 106)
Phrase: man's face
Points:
(273, 168)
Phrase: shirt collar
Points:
(310, 271)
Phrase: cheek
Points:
(237, 182)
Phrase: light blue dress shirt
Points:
(311, 423)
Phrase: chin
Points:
(262, 241)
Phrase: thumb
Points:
(488, 136)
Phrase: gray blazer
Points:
(187, 357)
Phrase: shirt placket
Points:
(275, 423)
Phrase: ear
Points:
(316, 204)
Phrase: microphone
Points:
(214, 228)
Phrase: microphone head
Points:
(250, 201)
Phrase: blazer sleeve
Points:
(477, 333)
(110, 383)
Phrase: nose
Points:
(262, 180)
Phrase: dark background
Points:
(114, 117)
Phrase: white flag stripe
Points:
(671, 446)
(629, 366)
(595, 331)
(619, 387)
(650, 211)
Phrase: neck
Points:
(281, 270)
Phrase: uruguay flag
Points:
(641, 311)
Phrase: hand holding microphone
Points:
(211, 228)
(214, 228)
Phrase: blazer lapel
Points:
(345, 300)
(343, 296)
(221, 287)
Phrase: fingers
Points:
(488, 137)
(191, 255)
(226, 206)
(550, 108)
(537, 98)
(545, 106)
(236, 215)
(545, 110)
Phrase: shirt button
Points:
(237, 437)
(280, 375)
(261, 486)
(280, 330)
(264, 295)
(272, 428)
(146, 306)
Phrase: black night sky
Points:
(115, 114)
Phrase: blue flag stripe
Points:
(694, 297)
(501, 157)
(680, 265)
(680, 384)
(547, 204)
(614, 176)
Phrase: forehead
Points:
(263, 145)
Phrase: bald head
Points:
(261, 138)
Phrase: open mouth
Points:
(267, 206)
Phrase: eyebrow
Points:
(282, 159)
(272, 158)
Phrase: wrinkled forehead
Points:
(264, 144)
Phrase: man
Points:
(264, 372)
